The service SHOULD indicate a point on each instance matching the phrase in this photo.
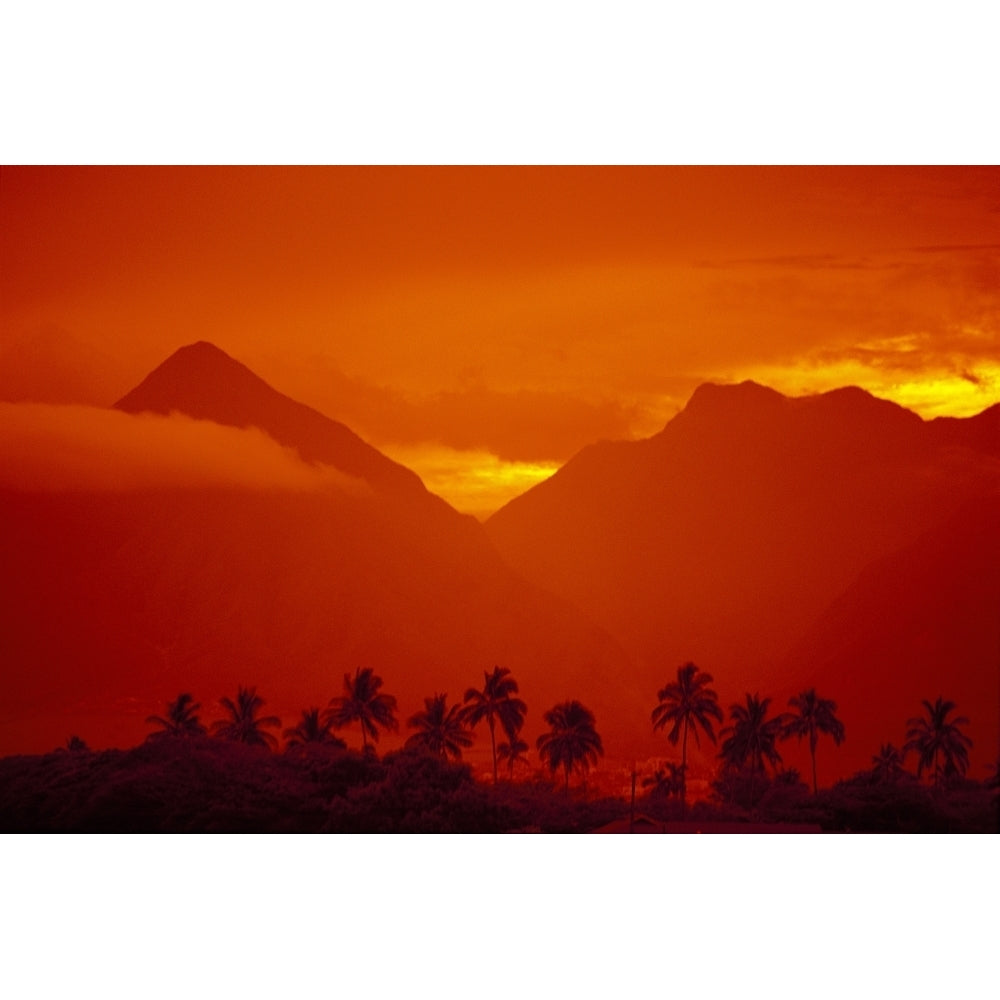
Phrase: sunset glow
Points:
(485, 324)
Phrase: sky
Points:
(481, 325)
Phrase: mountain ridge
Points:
(202, 381)
(725, 536)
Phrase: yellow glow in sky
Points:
(474, 482)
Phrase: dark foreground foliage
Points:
(198, 784)
(861, 804)
(207, 785)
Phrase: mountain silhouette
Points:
(125, 597)
(925, 618)
(204, 382)
(725, 536)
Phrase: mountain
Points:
(118, 599)
(204, 382)
(981, 432)
(921, 622)
(726, 536)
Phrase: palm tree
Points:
(752, 737)
(572, 742)
(688, 702)
(495, 701)
(887, 764)
(181, 719)
(513, 752)
(243, 725)
(312, 728)
(813, 715)
(937, 736)
(362, 702)
(667, 781)
(440, 730)
(993, 781)
(74, 745)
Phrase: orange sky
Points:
(480, 324)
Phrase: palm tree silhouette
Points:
(813, 715)
(495, 701)
(688, 702)
(937, 736)
(667, 781)
(243, 725)
(887, 764)
(312, 728)
(362, 702)
(181, 719)
(513, 751)
(572, 742)
(993, 781)
(752, 737)
(440, 730)
(74, 745)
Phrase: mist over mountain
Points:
(726, 536)
(204, 382)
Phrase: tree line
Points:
(751, 738)
(687, 705)
(571, 744)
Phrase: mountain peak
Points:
(200, 380)
(735, 395)
(850, 407)
(173, 382)
(200, 349)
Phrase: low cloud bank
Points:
(58, 448)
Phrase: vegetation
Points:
(514, 751)
(887, 765)
(180, 779)
(181, 719)
(362, 702)
(243, 724)
(572, 742)
(813, 715)
(752, 737)
(686, 703)
(666, 782)
(440, 730)
(936, 737)
(312, 728)
(495, 702)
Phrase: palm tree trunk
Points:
(493, 744)
(684, 773)
(812, 751)
(567, 778)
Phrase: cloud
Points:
(59, 448)
(530, 365)
(529, 426)
(516, 424)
